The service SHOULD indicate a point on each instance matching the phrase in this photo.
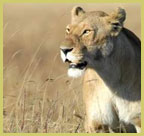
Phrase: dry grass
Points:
(38, 95)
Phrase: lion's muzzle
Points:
(76, 68)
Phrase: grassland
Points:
(38, 94)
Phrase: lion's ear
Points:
(116, 20)
(118, 15)
(76, 13)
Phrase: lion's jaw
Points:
(75, 72)
(76, 69)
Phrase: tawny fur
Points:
(112, 80)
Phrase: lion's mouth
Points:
(78, 65)
(77, 70)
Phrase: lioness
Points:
(109, 55)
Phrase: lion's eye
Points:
(68, 30)
(86, 31)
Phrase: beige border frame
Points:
(141, 2)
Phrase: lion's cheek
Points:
(89, 40)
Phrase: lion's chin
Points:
(75, 72)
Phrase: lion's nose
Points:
(65, 51)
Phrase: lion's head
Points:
(89, 38)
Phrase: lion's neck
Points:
(121, 70)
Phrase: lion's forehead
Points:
(87, 23)
(91, 21)
(96, 13)
(91, 17)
